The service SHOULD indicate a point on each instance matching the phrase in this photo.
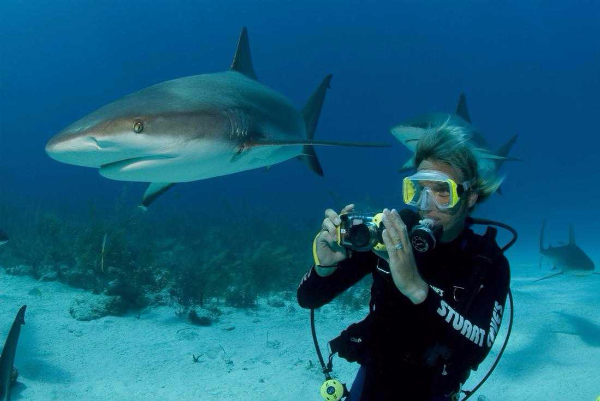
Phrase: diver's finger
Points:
(330, 241)
(400, 227)
(390, 246)
(329, 227)
(347, 208)
(333, 216)
(391, 227)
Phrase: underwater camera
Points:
(363, 232)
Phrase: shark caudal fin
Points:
(542, 235)
(311, 113)
(242, 61)
(461, 109)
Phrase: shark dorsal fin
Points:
(461, 110)
(571, 234)
(242, 61)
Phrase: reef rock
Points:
(90, 307)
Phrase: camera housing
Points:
(363, 231)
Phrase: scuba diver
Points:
(439, 289)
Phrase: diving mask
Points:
(431, 186)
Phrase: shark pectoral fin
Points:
(242, 62)
(155, 190)
(408, 165)
(461, 109)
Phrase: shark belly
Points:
(198, 161)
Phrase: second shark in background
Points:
(409, 132)
(569, 259)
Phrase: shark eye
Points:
(138, 126)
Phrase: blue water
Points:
(527, 68)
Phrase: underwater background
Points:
(527, 67)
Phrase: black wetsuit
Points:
(423, 351)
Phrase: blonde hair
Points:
(450, 143)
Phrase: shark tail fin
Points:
(242, 61)
(311, 113)
(542, 235)
(461, 108)
(571, 234)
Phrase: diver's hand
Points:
(401, 259)
(328, 250)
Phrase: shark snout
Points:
(84, 149)
(81, 150)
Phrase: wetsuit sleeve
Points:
(315, 291)
(470, 334)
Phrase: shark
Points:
(195, 128)
(410, 131)
(3, 237)
(7, 359)
(569, 258)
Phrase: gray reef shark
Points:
(194, 128)
(569, 258)
(3, 237)
(7, 359)
(410, 131)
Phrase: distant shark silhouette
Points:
(194, 128)
(410, 132)
(3, 237)
(7, 359)
(569, 258)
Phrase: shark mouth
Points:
(134, 160)
(130, 169)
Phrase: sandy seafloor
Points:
(553, 353)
